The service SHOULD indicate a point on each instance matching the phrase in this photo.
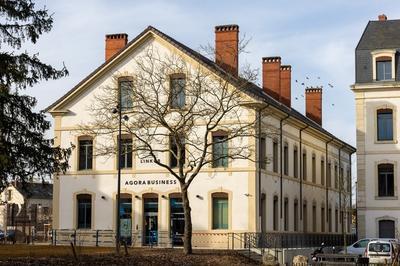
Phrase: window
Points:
(85, 154)
(275, 156)
(329, 220)
(348, 180)
(385, 124)
(275, 213)
(386, 229)
(220, 211)
(126, 153)
(220, 149)
(9, 195)
(263, 162)
(341, 180)
(177, 97)
(125, 87)
(361, 244)
(286, 214)
(263, 213)
(304, 166)
(383, 68)
(336, 220)
(322, 219)
(305, 216)
(295, 163)
(322, 172)
(286, 160)
(84, 202)
(328, 175)
(314, 170)
(174, 152)
(296, 215)
(349, 216)
(314, 218)
(385, 180)
(336, 177)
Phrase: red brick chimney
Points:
(227, 48)
(114, 43)
(286, 82)
(382, 17)
(271, 73)
(314, 104)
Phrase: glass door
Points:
(150, 221)
(177, 221)
(125, 212)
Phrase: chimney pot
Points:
(115, 43)
(382, 17)
(271, 73)
(314, 104)
(227, 48)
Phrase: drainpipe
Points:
(281, 181)
(301, 172)
(326, 179)
(259, 163)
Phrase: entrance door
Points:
(386, 229)
(125, 212)
(150, 221)
(177, 221)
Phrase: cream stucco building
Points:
(377, 95)
(304, 188)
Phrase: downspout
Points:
(301, 172)
(326, 179)
(281, 139)
(259, 164)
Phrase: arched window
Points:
(386, 229)
(286, 214)
(275, 159)
(384, 119)
(296, 215)
(295, 162)
(286, 159)
(314, 169)
(305, 216)
(304, 166)
(385, 180)
(85, 150)
(84, 211)
(275, 213)
(220, 211)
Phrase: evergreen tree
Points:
(24, 150)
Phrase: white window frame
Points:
(381, 53)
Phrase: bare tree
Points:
(345, 189)
(181, 109)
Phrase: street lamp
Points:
(118, 110)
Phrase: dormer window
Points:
(383, 65)
(383, 68)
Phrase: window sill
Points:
(85, 171)
(385, 141)
(386, 198)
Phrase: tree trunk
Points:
(187, 236)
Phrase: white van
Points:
(380, 251)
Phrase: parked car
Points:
(380, 252)
(10, 235)
(358, 247)
(2, 235)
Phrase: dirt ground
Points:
(62, 255)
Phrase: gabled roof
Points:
(380, 35)
(35, 190)
(252, 89)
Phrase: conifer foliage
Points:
(24, 150)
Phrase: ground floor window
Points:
(386, 229)
(177, 218)
(84, 202)
(220, 211)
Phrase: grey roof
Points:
(252, 89)
(36, 190)
(380, 35)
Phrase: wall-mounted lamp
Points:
(137, 197)
(103, 197)
(247, 195)
(199, 197)
(163, 196)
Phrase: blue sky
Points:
(317, 38)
